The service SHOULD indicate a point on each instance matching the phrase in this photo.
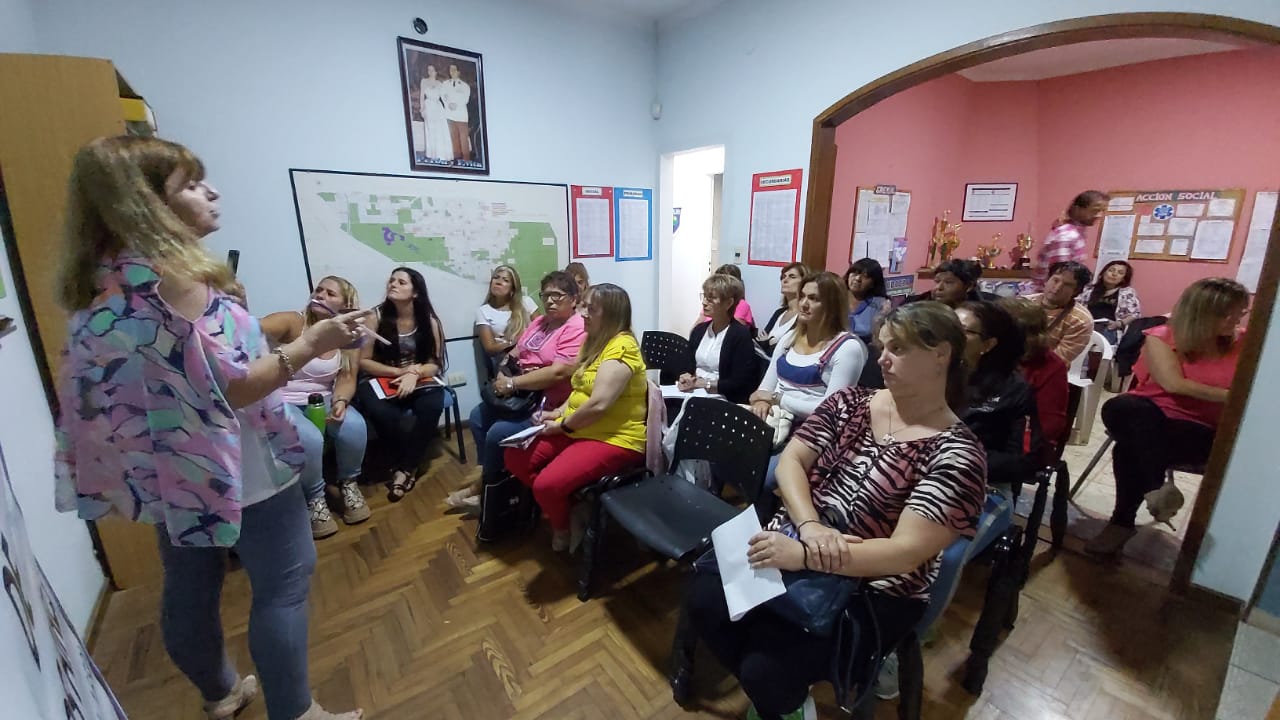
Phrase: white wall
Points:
(17, 26)
(690, 258)
(1248, 510)
(258, 87)
(60, 541)
(753, 75)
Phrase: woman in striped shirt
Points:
(875, 485)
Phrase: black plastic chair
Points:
(668, 513)
(666, 352)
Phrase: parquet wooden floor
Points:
(410, 620)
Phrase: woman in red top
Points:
(1043, 370)
(1170, 416)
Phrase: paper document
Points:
(384, 388)
(744, 588)
(671, 391)
(1222, 207)
(1179, 246)
(595, 233)
(1213, 240)
(1113, 240)
(522, 439)
(1255, 246)
(1182, 226)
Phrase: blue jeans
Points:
(488, 430)
(349, 438)
(279, 556)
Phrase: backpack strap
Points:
(836, 342)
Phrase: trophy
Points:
(945, 238)
(1021, 247)
(987, 254)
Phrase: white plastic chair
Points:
(1090, 388)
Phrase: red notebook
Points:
(383, 388)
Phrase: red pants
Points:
(557, 466)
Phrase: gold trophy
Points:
(1021, 249)
(945, 238)
(987, 254)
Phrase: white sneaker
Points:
(354, 508)
(887, 681)
(315, 712)
(322, 524)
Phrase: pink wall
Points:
(1135, 128)
(1124, 128)
(931, 140)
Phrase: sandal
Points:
(401, 484)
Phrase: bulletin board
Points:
(880, 218)
(1175, 225)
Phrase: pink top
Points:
(741, 313)
(1216, 372)
(1065, 242)
(315, 378)
(538, 348)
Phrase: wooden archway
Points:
(822, 167)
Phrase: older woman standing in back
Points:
(171, 416)
(600, 429)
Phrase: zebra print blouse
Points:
(862, 487)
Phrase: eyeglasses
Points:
(709, 298)
(553, 297)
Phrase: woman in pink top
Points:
(1170, 416)
(543, 360)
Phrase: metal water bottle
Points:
(315, 411)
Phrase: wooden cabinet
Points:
(50, 106)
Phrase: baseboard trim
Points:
(1264, 620)
(96, 617)
(1215, 599)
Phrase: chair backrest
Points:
(872, 376)
(1130, 345)
(730, 437)
(1097, 343)
(664, 351)
(485, 367)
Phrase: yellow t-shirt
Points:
(622, 424)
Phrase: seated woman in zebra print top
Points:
(876, 483)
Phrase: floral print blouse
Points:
(146, 430)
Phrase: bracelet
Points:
(805, 548)
(806, 522)
(511, 385)
(286, 362)
(567, 430)
(335, 401)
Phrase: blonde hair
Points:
(519, 316)
(116, 203)
(931, 324)
(725, 286)
(615, 318)
(835, 303)
(350, 301)
(1199, 311)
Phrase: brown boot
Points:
(1110, 541)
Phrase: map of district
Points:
(361, 226)
(464, 237)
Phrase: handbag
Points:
(516, 406)
(780, 420)
(815, 601)
(506, 507)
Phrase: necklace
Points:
(889, 439)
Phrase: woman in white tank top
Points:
(332, 377)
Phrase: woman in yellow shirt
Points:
(600, 430)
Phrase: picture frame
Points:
(989, 202)
(452, 135)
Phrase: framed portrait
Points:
(443, 93)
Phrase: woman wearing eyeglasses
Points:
(543, 359)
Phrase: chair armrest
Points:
(630, 477)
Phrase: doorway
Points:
(693, 242)
(819, 230)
